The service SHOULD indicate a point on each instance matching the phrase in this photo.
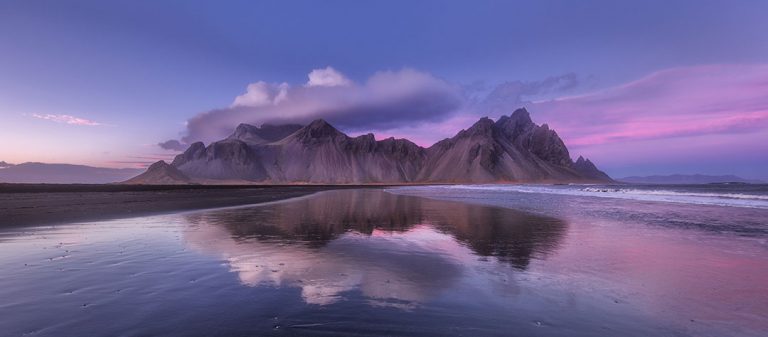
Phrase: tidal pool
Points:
(370, 262)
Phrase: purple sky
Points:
(657, 87)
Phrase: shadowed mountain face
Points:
(511, 149)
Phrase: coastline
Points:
(50, 204)
(24, 204)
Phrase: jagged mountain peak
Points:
(517, 123)
(266, 133)
(162, 173)
(483, 122)
(317, 130)
(584, 161)
(193, 152)
(196, 146)
(158, 165)
(588, 169)
(484, 126)
(319, 124)
(244, 131)
(244, 127)
(367, 137)
(521, 115)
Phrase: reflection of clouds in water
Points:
(382, 267)
(395, 250)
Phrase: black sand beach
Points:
(41, 204)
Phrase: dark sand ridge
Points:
(43, 204)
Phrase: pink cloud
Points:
(677, 102)
(67, 119)
(651, 129)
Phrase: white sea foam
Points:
(676, 193)
(660, 195)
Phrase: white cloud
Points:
(262, 93)
(327, 77)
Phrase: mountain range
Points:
(689, 179)
(510, 149)
(62, 173)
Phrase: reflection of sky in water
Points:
(383, 267)
(350, 262)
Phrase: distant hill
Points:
(510, 149)
(688, 179)
(160, 173)
(62, 174)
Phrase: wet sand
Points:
(45, 204)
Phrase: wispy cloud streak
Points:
(67, 119)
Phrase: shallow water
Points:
(731, 195)
(380, 263)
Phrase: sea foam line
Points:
(661, 195)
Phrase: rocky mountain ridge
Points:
(510, 149)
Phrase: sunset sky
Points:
(653, 87)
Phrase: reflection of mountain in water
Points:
(319, 219)
(511, 235)
(389, 247)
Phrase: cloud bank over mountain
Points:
(387, 99)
